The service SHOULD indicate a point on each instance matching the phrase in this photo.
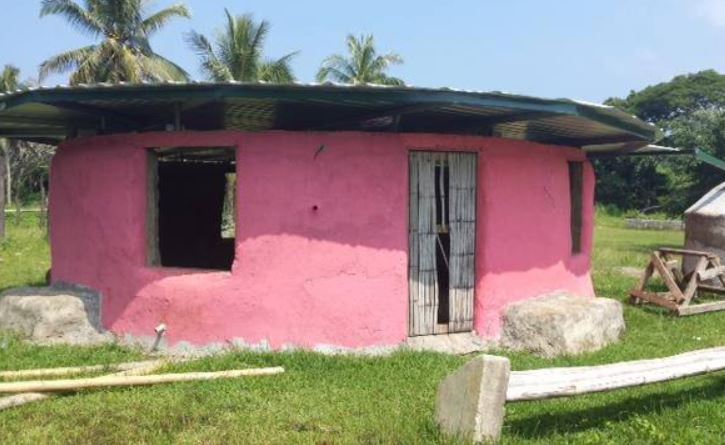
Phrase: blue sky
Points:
(585, 49)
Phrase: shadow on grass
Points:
(579, 420)
(38, 283)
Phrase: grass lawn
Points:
(350, 400)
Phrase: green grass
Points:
(351, 400)
(24, 253)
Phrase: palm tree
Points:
(9, 78)
(123, 53)
(363, 65)
(237, 53)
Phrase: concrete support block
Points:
(470, 402)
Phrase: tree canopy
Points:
(691, 111)
(238, 53)
(124, 53)
(362, 65)
(680, 96)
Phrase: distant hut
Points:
(705, 225)
(310, 215)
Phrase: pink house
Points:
(317, 215)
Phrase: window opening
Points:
(576, 180)
(192, 207)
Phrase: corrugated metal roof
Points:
(52, 114)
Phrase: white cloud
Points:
(712, 11)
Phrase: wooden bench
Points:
(471, 401)
(682, 290)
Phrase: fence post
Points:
(470, 402)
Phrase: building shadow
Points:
(576, 420)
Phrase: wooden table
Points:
(681, 297)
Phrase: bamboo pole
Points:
(74, 369)
(22, 399)
(30, 397)
(117, 381)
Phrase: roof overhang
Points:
(659, 150)
(54, 114)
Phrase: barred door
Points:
(442, 236)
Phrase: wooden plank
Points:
(645, 276)
(709, 288)
(462, 193)
(595, 371)
(656, 299)
(667, 278)
(675, 269)
(691, 288)
(562, 382)
(686, 252)
(427, 236)
(701, 308)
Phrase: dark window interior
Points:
(443, 242)
(576, 180)
(194, 207)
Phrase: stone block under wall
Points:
(562, 324)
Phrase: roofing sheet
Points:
(52, 114)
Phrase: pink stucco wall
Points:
(336, 275)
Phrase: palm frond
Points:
(122, 18)
(277, 71)
(211, 66)
(389, 80)
(89, 70)
(158, 68)
(336, 68)
(362, 64)
(260, 31)
(9, 78)
(125, 54)
(237, 52)
(380, 65)
(80, 18)
(199, 44)
(245, 49)
(160, 19)
(131, 67)
(65, 61)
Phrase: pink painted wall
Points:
(337, 275)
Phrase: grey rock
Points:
(562, 324)
(52, 315)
